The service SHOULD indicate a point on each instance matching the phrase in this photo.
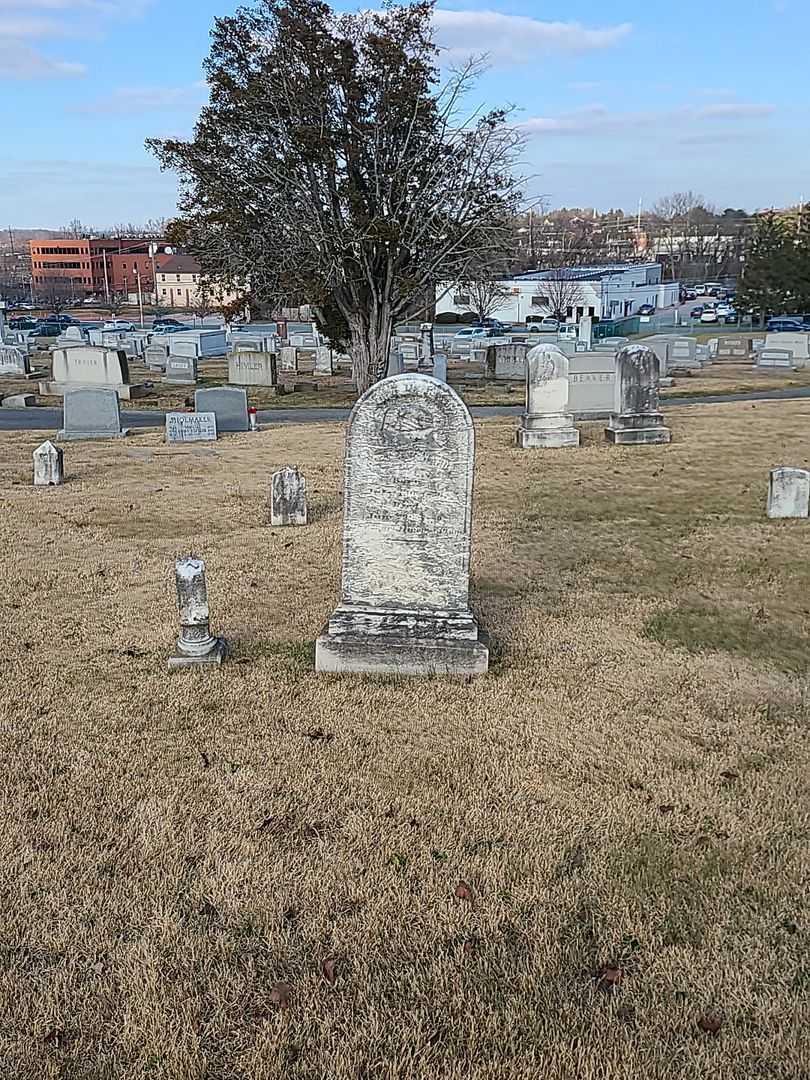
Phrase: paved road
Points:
(47, 419)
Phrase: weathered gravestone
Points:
(610, 344)
(733, 349)
(396, 362)
(183, 346)
(660, 345)
(181, 370)
(507, 361)
(288, 359)
(546, 424)
(196, 644)
(638, 420)
(19, 401)
(256, 368)
(14, 361)
(798, 343)
(781, 358)
(49, 468)
(683, 354)
(191, 427)
(404, 605)
(228, 403)
(288, 498)
(155, 356)
(90, 366)
(440, 367)
(585, 333)
(91, 413)
(324, 365)
(426, 344)
(788, 493)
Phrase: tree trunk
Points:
(370, 342)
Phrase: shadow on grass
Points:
(700, 626)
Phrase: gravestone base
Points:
(644, 429)
(77, 436)
(365, 654)
(125, 391)
(217, 654)
(548, 433)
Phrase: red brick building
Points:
(94, 266)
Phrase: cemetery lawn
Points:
(592, 863)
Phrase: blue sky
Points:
(622, 101)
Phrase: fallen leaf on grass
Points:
(464, 892)
(206, 761)
(319, 735)
(710, 1024)
(667, 808)
(729, 774)
(280, 994)
(328, 967)
(608, 977)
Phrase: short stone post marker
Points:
(788, 493)
(196, 644)
(546, 424)
(49, 470)
(288, 498)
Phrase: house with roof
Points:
(178, 285)
(607, 292)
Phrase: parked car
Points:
(60, 320)
(494, 324)
(118, 324)
(786, 325)
(474, 333)
(22, 322)
(696, 312)
(646, 309)
(731, 316)
(547, 325)
(688, 294)
(166, 321)
(723, 309)
(709, 316)
(46, 328)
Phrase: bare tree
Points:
(331, 166)
(75, 230)
(559, 292)
(484, 286)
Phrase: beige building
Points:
(178, 285)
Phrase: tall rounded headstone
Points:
(637, 420)
(404, 606)
(546, 424)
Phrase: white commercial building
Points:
(609, 292)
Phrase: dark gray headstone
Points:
(91, 413)
(638, 420)
(180, 369)
(228, 403)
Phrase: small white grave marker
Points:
(48, 465)
(191, 427)
(788, 493)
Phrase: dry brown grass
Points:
(174, 846)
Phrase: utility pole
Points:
(11, 240)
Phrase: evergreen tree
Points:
(769, 267)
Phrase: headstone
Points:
(507, 361)
(683, 354)
(734, 349)
(229, 403)
(798, 342)
(396, 363)
(288, 498)
(585, 335)
(181, 370)
(14, 361)
(610, 344)
(91, 413)
(184, 427)
(49, 468)
(440, 367)
(788, 493)
(323, 360)
(426, 344)
(90, 366)
(404, 605)
(289, 358)
(592, 385)
(547, 423)
(196, 644)
(779, 358)
(660, 346)
(256, 368)
(638, 420)
(19, 401)
(303, 341)
(180, 346)
(155, 356)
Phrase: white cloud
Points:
(20, 61)
(18, 26)
(598, 120)
(146, 99)
(517, 39)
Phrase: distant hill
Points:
(22, 236)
